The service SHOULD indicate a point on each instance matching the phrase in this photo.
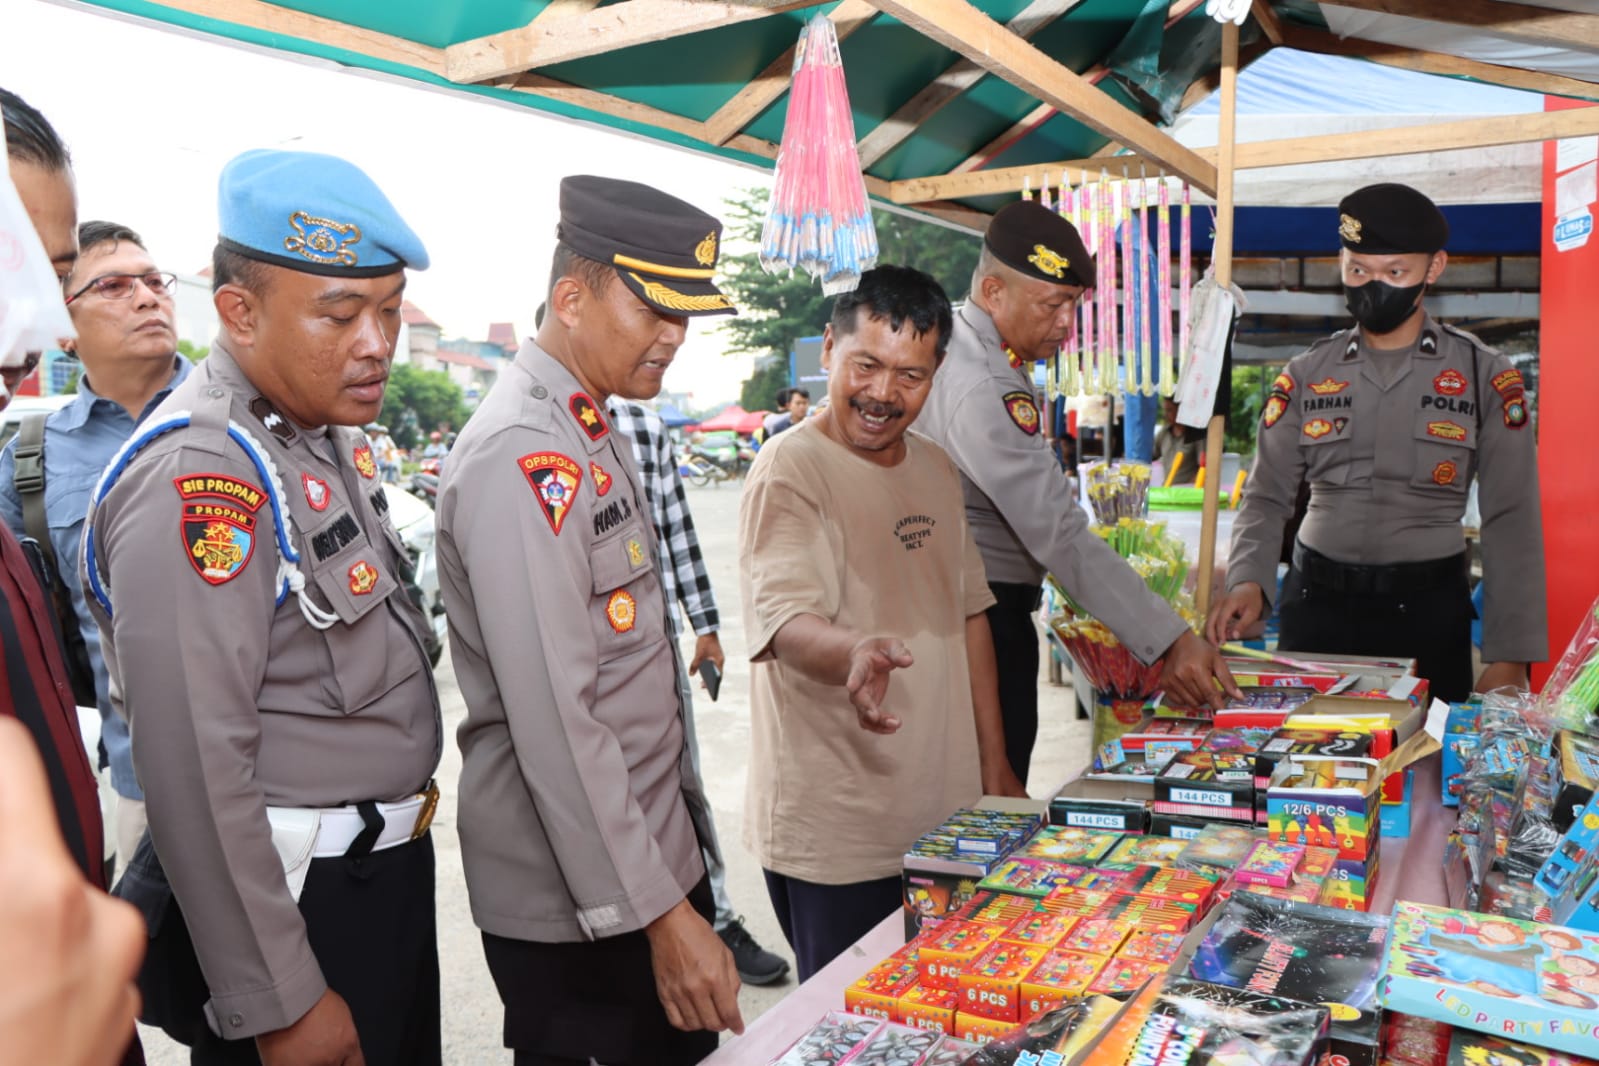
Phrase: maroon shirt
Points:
(37, 692)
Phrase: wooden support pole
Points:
(1222, 259)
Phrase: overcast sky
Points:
(151, 116)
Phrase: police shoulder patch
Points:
(588, 416)
(1276, 406)
(217, 524)
(1023, 411)
(554, 479)
(1516, 412)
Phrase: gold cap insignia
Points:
(673, 300)
(705, 251)
(1349, 228)
(1048, 261)
(322, 240)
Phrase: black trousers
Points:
(1431, 625)
(1016, 655)
(821, 921)
(370, 923)
(568, 1003)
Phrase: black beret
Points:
(663, 248)
(1029, 237)
(1391, 219)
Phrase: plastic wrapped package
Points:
(1063, 1031)
(895, 1045)
(1571, 695)
(831, 1040)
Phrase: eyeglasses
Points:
(120, 286)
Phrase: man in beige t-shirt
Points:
(875, 706)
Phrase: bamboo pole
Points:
(1222, 257)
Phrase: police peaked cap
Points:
(1391, 219)
(1029, 237)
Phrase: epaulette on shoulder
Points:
(1469, 337)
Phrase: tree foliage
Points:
(193, 352)
(775, 310)
(761, 388)
(420, 401)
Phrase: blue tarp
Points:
(673, 417)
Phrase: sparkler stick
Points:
(1163, 219)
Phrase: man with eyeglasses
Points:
(123, 310)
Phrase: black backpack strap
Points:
(28, 477)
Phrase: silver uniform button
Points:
(235, 1020)
(540, 392)
(214, 392)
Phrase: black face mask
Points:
(1380, 307)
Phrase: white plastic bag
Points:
(33, 316)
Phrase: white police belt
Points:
(302, 834)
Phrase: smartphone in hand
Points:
(712, 678)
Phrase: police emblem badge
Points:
(1022, 411)
(621, 610)
(555, 479)
(363, 578)
(218, 524)
(1450, 383)
(1317, 428)
(1515, 413)
(1445, 473)
(602, 480)
(316, 492)
(1325, 387)
(1276, 405)
(635, 552)
(364, 461)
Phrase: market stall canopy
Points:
(729, 418)
(672, 416)
(957, 103)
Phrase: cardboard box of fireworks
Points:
(1391, 722)
(1335, 802)
(941, 870)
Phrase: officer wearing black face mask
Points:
(1389, 421)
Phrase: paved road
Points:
(472, 1014)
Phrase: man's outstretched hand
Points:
(870, 663)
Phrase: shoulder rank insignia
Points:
(363, 578)
(1317, 428)
(602, 480)
(1446, 430)
(1328, 387)
(364, 463)
(588, 416)
(1352, 349)
(1445, 473)
(271, 421)
(555, 479)
(1019, 405)
(316, 492)
(218, 524)
(1450, 383)
(1429, 343)
(621, 610)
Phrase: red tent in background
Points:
(752, 421)
(734, 418)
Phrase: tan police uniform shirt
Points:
(1390, 457)
(884, 552)
(1020, 506)
(578, 801)
(235, 701)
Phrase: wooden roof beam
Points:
(1535, 25)
(273, 18)
(1253, 155)
(959, 26)
(1393, 55)
(1270, 24)
(543, 42)
(962, 75)
(773, 82)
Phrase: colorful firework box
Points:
(1058, 843)
(1305, 952)
(1503, 976)
(1309, 741)
(954, 947)
(1082, 902)
(1247, 739)
(1144, 912)
(1270, 862)
(1275, 697)
(1152, 945)
(1123, 976)
(896, 1045)
(941, 870)
(991, 986)
(980, 1030)
(1576, 771)
(1029, 877)
(1219, 847)
(1063, 974)
(1217, 785)
(1167, 883)
(1040, 929)
(877, 994)
(1325, 803)
(1146, 850)
(925, 1007)
(1097, 936)
(1178, 1021)
(1476, 1049)
(830, 1041)
(841, 1038)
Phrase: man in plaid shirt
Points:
(686, 582)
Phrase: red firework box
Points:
(1143, 912)
(1146, 851)
(1040, 929)
(1182, 886)
(1097, 936)
(940, 963)
(1152, 946)
(1001, 908)
(1027, 877)
(1217, 785)
(1068, 844)
(992, 986)
(1061, 975)
(922, 1007)
(1123, 976)
(878, 993)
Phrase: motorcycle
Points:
(701, 468)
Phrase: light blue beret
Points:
(314, 213)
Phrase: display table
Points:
(1412, 869)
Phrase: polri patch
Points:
(1019, 405)
(316, 492)
(218, 524)
(1516, 413)
(363, 578)
(1450, 383)
(588, 416)
(1276, 405)
(1446, 430)
(1328, 387)
(602, 480)
(1445, 473)
(364, 462)
(555, 479)
(621, 610)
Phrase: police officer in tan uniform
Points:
(247, 584)
(1023, 515)
(581, 814)
(1389, 421)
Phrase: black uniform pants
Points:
(370, 923)
(568, 1003)
(1419, 610)
(821, 921)
(1016, 655)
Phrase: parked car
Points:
(23, 406)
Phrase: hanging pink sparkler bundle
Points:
(1168, 372)
(1129, 336)
(1107, 264)
(1146, 370)
(1185, 272)
(819, 218)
